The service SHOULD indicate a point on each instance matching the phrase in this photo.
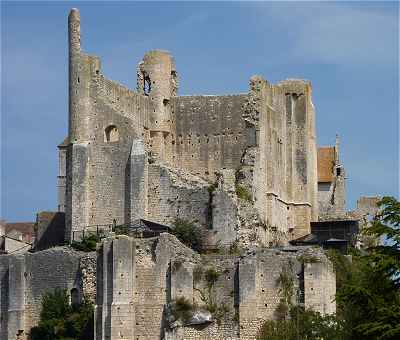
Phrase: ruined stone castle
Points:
(243, 168)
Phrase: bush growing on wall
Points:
(182, 309)
(87, 244)
(188, 233)
(61, 321)
(243, 193)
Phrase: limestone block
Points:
(138, 181)
(181, 280)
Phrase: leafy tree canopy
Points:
(61, 321)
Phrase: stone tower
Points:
(157, 79)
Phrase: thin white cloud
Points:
(348, 35)
(337, 33)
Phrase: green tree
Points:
(61, 321)
(303, 325)
(369, 296)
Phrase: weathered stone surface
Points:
(25, 279)
(199, 318)
(241, 167)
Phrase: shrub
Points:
(121, 229)
(212, 188)
(221, 312)
(188, 233)
(182, 309)
(197, 273)
(212, 276)
(87, 244)
(60, 321)
(236, 249)
(243, 193)
(303, 325)
(308, 258)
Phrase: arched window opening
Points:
(111, 134)
(75, 301)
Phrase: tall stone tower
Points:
(157, 79)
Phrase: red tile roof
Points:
(326, 162)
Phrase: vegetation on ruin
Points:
(61, 321)
(87, 244)
(368, 291)
(302, 325)
(243, 193)
(197, 273)
(188, 233)
(286, 290)
(211, 276)
(182, 309)
(308, 258)
(212, 188)
(122, 229)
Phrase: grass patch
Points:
(243, 193)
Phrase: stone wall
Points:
(25, 279)
(104, 118)
(176, 194)
(320, 286)
(245, 290)
(284, 162)
(49, 230)
(210, 133)
(135, 280)
(146, 268)
(267, 136)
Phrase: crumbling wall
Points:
(26, 278)
(100, 179)
(282, 168)
(210, 133)
(367, 206)
(4, 296)
(136, 280)
(176, 194)
(45, 271)
(259, 288)
(152, 290)
(115, 311)
(49, 229)
(366, 210)
(319, 285)
(136, 186)
(226, 330)
(97, 161)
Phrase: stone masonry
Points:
(151, 153)
(243, 168)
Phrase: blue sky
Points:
(349, 51)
